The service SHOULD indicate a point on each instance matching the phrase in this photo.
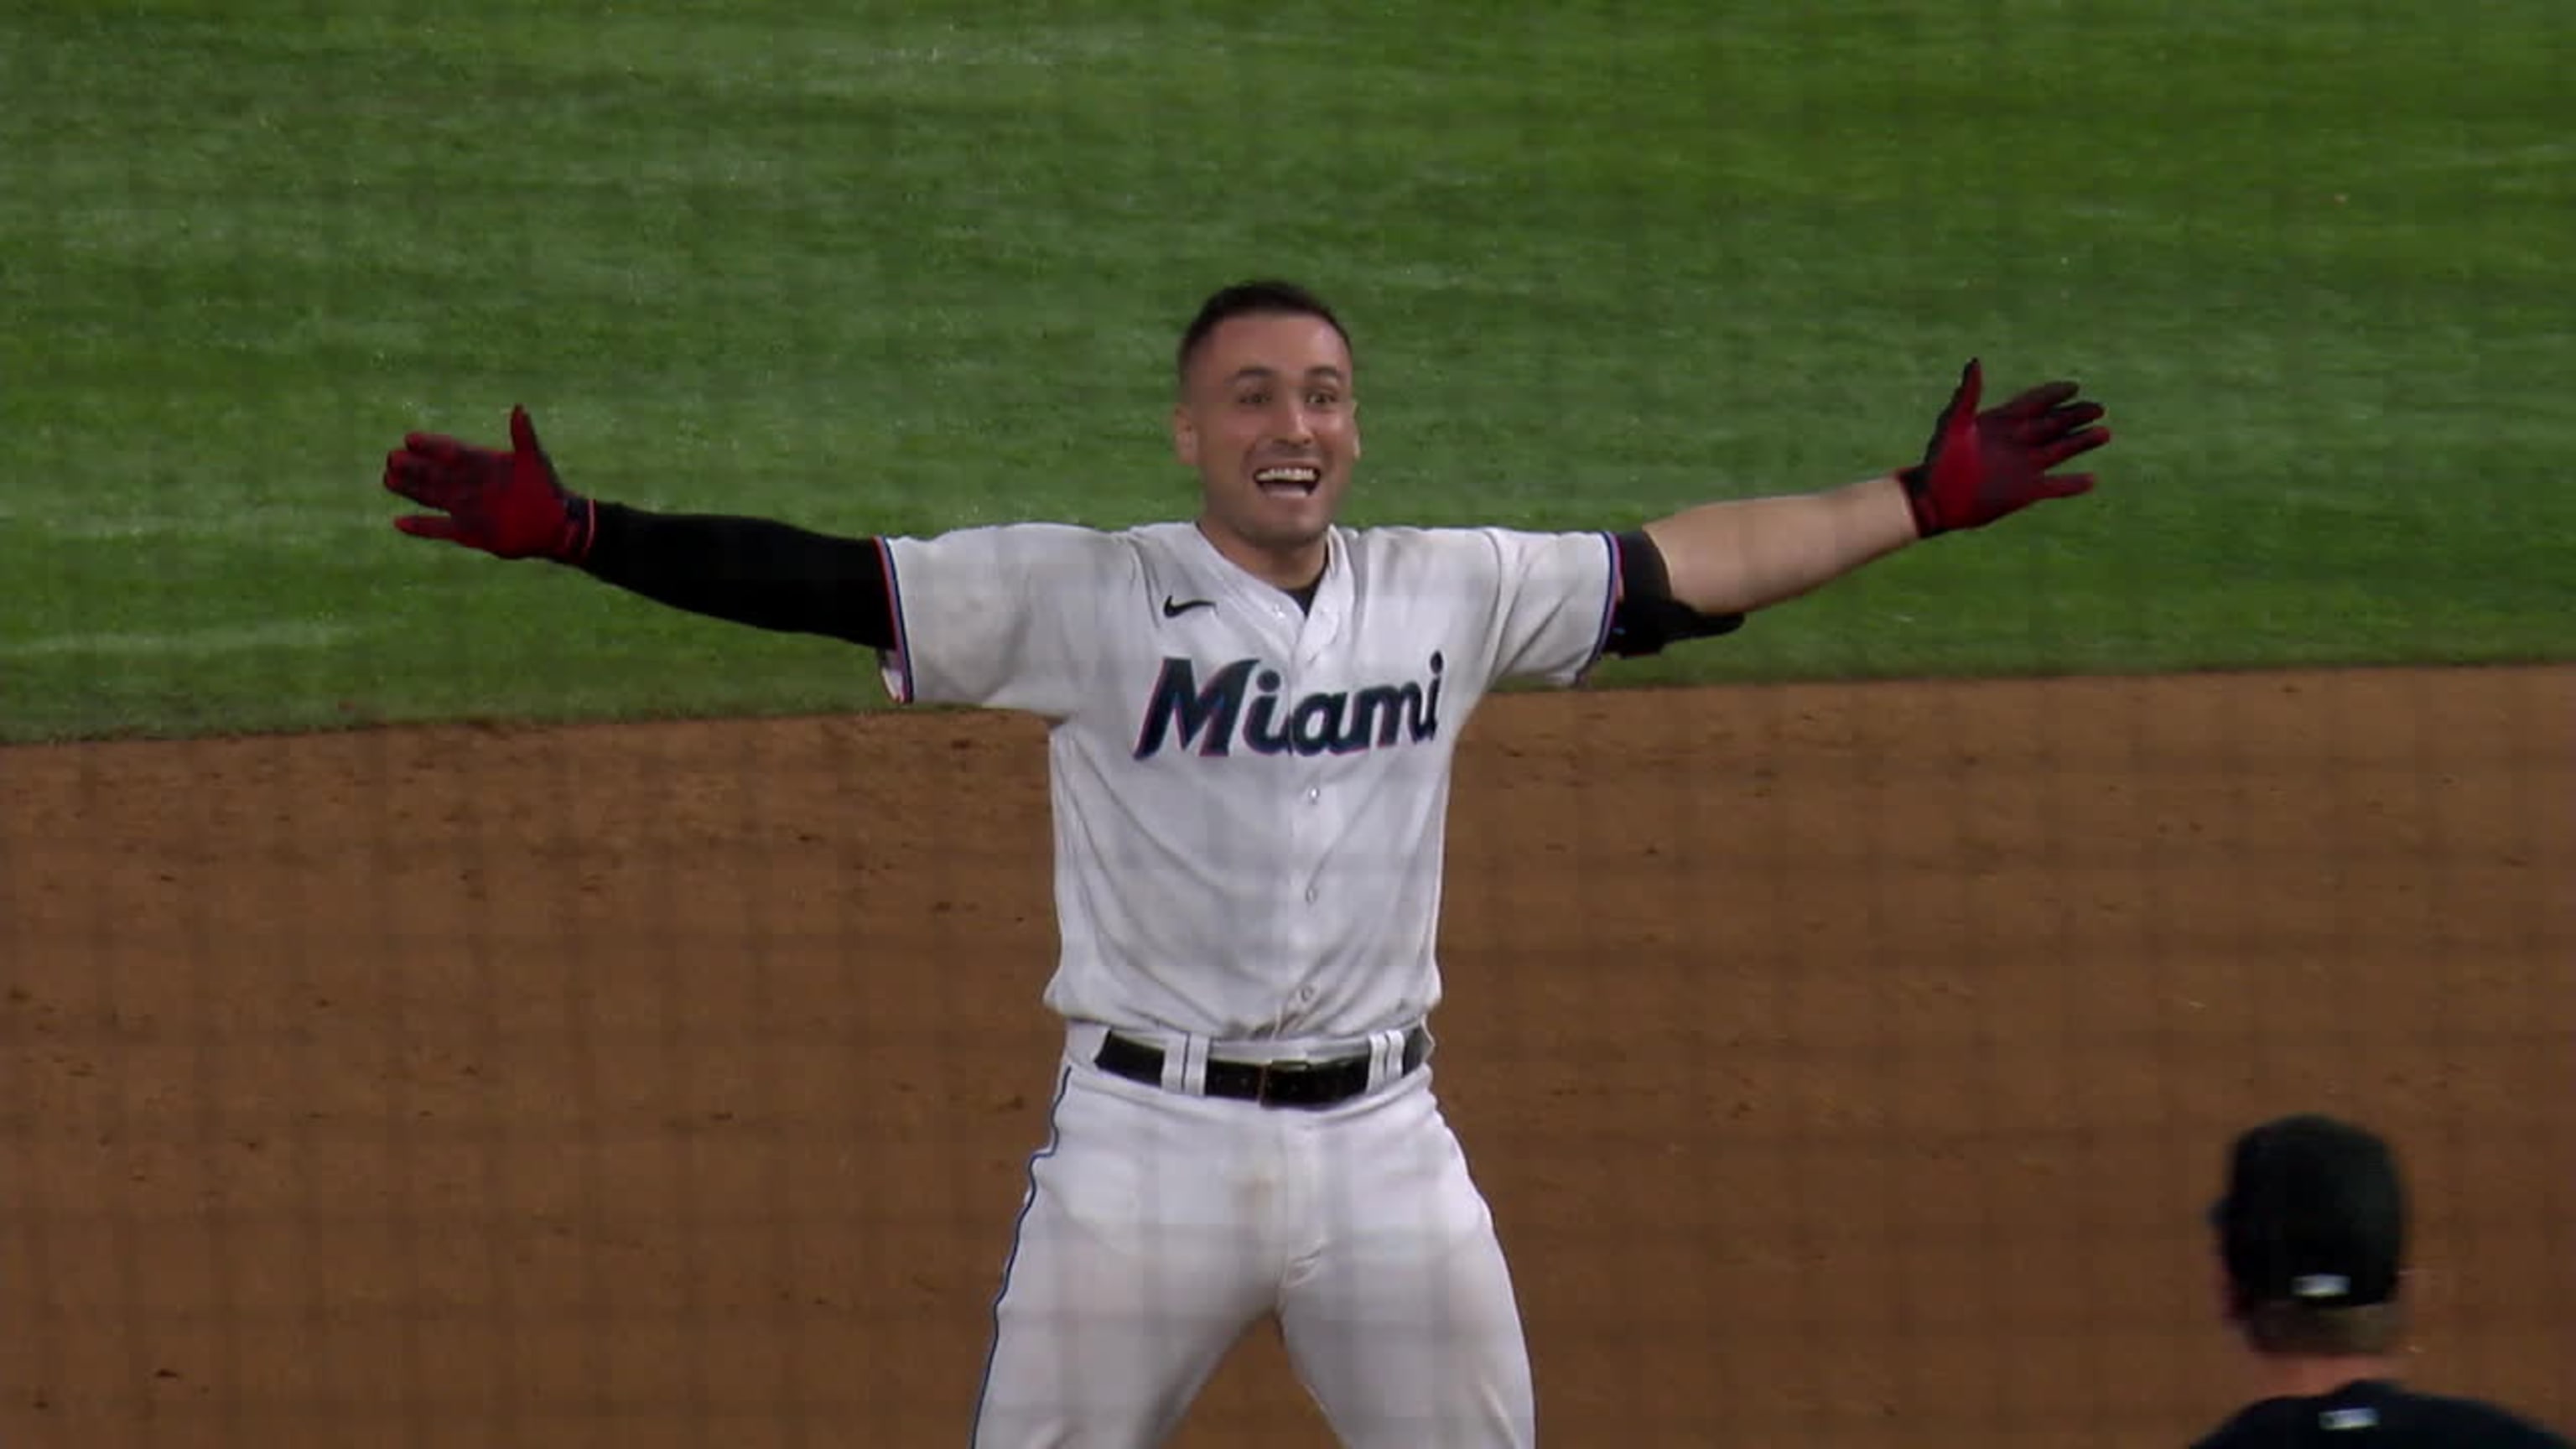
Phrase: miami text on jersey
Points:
(1246, 691)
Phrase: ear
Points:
(1355, 428)
(1185, 436)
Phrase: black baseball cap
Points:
(2315, 1214)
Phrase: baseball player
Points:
(2311, 1235)
(1252, 717)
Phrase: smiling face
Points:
(1268, 419)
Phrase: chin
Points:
(1284, 540)
(1274, 529)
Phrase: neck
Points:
(1281, 568)
(2293, 1376)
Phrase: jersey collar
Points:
(1267, 604)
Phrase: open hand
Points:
(1981, 466)
(508, 504)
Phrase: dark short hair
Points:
(2293, 1330)
(1247, 299)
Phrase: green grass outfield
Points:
(871, 268)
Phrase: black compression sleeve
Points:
(752, 571)
(1641, 567)
(1648, 616)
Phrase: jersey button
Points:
(1311, 893)
(1313, 794)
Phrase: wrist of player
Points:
(574, 531)
(557, 527)
(544, 519)
(1955, 493)
(1923, 502)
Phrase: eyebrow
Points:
(1244, 374)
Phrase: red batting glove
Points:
(509, 504)
(1982, 466)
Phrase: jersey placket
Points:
(1313, 806)
(1276, 630)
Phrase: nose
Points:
(1293, 424)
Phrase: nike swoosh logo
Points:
(1173, 610)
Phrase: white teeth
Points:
(1298, 474)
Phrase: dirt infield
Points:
(1847, 1065)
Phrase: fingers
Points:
(2036, 401)
(2072, 445)
(423, 479)
(440, 447)
(2065, 485)
(422, 525)
(523, 433)
(452, 476)
(2047, 427)
(1972, 383)
(1956, 425)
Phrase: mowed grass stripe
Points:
(900, 271)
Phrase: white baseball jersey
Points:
(1248, 799)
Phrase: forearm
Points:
(751, 571)
(1741, 555)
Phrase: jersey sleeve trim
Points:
(898, 660)
(1609, 606)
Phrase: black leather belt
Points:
(1272, 1084)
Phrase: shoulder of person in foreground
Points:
(2457, 1419)
(2378, 1413)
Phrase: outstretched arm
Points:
(745, 570)
(1734, 557)
(1742, 555)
